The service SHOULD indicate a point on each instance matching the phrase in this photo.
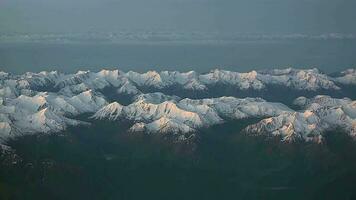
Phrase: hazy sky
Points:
(257, 16)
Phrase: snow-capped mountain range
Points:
(48, 102)
(187, 115)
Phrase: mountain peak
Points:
(111, 111)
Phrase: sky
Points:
(243, 16)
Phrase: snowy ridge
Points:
(348, 77)
(111, 112)
(163, 125)
(309, 79)
(131, 82)
(187, 115)
(319, 114)
(45, 112)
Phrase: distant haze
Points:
(246, 16)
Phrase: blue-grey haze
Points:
(266, 16)
(217, 16)
(328, 56)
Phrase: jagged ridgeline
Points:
(291, 104)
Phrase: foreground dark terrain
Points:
(97, 162)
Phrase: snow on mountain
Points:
(188, 80)
(235, 108)
(111, 112)
(87, 102)
(113, 77)
(3, 75)
(322, 101)
(5, 130)
(27, 104)
(144, 112)
(290, 126)
(18, 122)
(7, 92)
(162, 125)
(186, 113)
(11, 88)
(300, 79)
(241, 80)
(156, 97)
(74, 89)
(148, 79)
(348, 77)
(141, 99)
(131, 82)
(128, 88)
(82, 103)
(72, 79)
(84, 80)
(42, 79)
(45, 112)
(47, 101)
(45, 121)
(320, 114)
(159, 117)
(5, 122)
